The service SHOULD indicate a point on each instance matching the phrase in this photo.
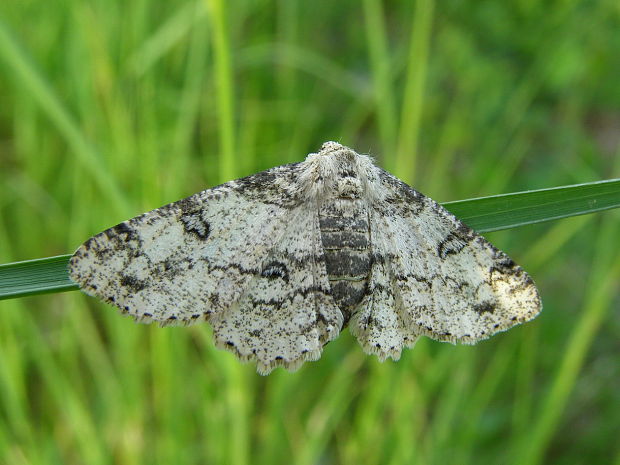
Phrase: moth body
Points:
(345, 236)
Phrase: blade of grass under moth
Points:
(484, 214)
(507, 211)
(39, 276)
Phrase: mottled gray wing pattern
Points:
(286, 314)
(193, 258)
(379, 325)
(449, 282)
(246, 256)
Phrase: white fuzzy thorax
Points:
(320, 176)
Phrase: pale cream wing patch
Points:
(190, 259)
(380, 325)
(286, 314)
(452, 283)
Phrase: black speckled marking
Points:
(274, 270)
(132, 283)
(484, 307)
(267, 186)
(187, 205)
(195, 224)
(428, 281)
(452, 244)
(505, 266)
(407, 201)
(275, 303)
(123, 229)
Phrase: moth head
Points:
(337, 151)
(337, 171)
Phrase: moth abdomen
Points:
(345, 236)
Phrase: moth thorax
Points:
(345, 235)
(349, 188)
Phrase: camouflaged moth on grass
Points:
(281, 261)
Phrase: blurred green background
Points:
(111, 108)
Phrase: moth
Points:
(281, 261)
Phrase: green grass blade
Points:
(411, 112)
(381, 64)
(484, 214)
(223, 70)
(39, 276)
(165, 38)
(507, 211)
